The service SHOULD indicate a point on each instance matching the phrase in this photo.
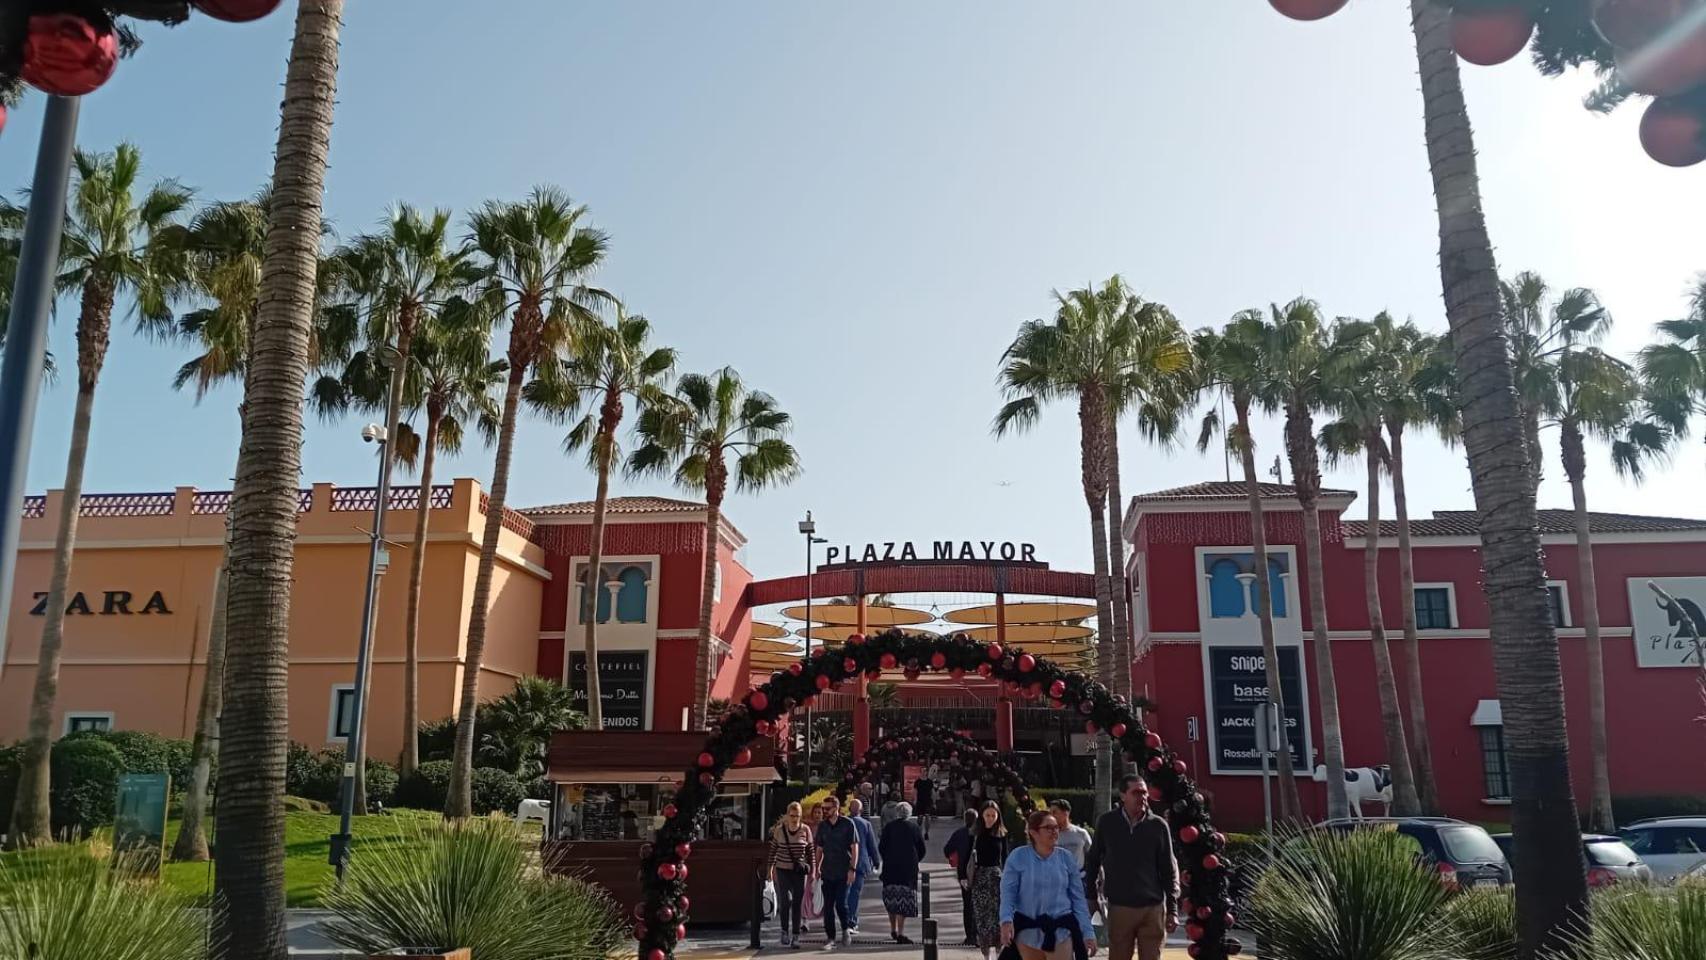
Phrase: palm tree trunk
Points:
(458, 800)
(1092, 434)
(1421, 746)
(411, 757)
(31, 814)
(1117, 586)
(713, 522)
(191, 845)
(1404, 802)
(595, 586)
(1551, 878)
(1600, 815)
(1290, 804)
(249, 819)
(1306, 478)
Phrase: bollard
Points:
(754, 941)
(923, 894)
(929, 939)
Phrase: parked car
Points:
(1463, 853)
(1671, 846)
(1610, 861)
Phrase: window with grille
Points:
(1433, 608)
(1496, 772)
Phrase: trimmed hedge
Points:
(145, 752)
(84, 787)
(495, 791)
(320, 776)
(425, 789)
(492, 790)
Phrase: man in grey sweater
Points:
(1131, 862)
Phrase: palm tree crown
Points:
(1674, 370)
(714, 416)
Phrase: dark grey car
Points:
(1610, 861)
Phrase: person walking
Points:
(980, 877)
(957, 851)
(790, 865)
(1043, 907)
(1131, 862)
(924, 793)
(1074, 839)
(838, 865)
(869, 860)
(902, 849)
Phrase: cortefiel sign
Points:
(1662, 639)
(621, 687)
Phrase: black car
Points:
(1463, 853)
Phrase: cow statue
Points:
(1363, 783)
(539, 810)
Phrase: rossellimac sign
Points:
(933, 551)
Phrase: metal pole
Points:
(357, 743)
(1264, 746)
(810, 539)
(929, 936)
(26, 328)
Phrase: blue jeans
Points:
(854, 889)
(834, 903)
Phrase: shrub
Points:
(80, 908)
(145, 752)
(9, 757)
(1484, 923)
(300, 769)
(1631, 809)
(1645, 923)
(495, 790)
(84, 788)
(539, 788)
(425, 789)
(471, 885)
(381, 782)
(1358, 896)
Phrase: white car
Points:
(1671, 846)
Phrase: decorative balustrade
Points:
(126, 505)
(217, 502)
(403, 498)
(35, 507)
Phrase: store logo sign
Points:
(1663, 636)
(112, 603)
(933, 551)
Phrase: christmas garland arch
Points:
(928, 742)
(662, 915)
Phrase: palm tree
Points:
(1357, 392)
(11, 242)
(1231, 362)
(1076, 356)
(1564, 381)
(713, 417)
(538, 254)
(1674, 371)
(1301, 362)
(608, 366)
(249, 875)
(112, 246)
(396, 281)
(1416, 393)
(518, 725)
(1551, 877)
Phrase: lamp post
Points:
(378, 559)
(808, 529)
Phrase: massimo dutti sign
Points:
(111, 602)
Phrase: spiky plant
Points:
(77, 908)
(1484, 924)
(1644, 923)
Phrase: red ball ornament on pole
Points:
(887, 660)
(743, 756)
(1152, 740)
(1118, 730)
(821, 681)
(1308, 9)
(236, 11)
(1189, 834)
(682, 850)
(984, 669)
(1091, 728)
(667, 871)
(1179, 767)
(68, 56)
(855, 639)
(1673, 134)
(850, 665)
(2, 118)
(655, 954)
(681, 872)
(796, 669)
(938, 660)
(1027, 663)
(758, 701)
(1195, 931)
(669, 811)
(1057, 689)
(706, 760)
(1211, 862)
(1154, 763)
(1489, 37)
(1630, 24)
(994, 651)
(1666, 67)
(681, 931)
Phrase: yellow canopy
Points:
(847, 614)
(768, 631)
(839, 634)
(1031, 633)
(1030, 611)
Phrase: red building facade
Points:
(1196, 627)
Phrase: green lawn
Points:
(306, 847)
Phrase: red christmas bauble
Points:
(1027, 663)
(818, 652)
(856, 639)
(67, 55)
(1154, 794)
(1673, 134)
(1218, 838)
(1189, 834)
(758, 700)
(1180, 766)
(1194, 950)
(1211, 862)
(1086, 706)
(236, 11)
(1195, 931)
(993, 651)
(1488, 37)
(1057, 689)
(887, 660)
(1203, 913)
(956, 674)
(708, 779)
(681, 903)
(1152, 740)
(743, 756)
(1033, 691)
(1185, 904)
(667, 871)
(681, 872)
(1154, 763)
(706, 760)
(639, 911)
(1308, 9)
(639, 931)
(1091, 728)
(656, 954)
(796, 669)
(938, 660)
(669, 811)
(1630, 24)
(984, 669)
(1056, 704)
(821, 681)
(1118, 730)
(1668, 66)
(681, 931)
(684, 849)
(666, 914)
(849, 664)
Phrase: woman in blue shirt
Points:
(1043, 908)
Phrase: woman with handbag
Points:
(1043, 909)
(980, 876)
(790, 868)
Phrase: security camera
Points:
(373, 432)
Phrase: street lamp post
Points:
(808, 529)
(377, 561)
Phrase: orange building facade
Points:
(142, 586)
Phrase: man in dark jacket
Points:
(1131, 862)
(958, 852)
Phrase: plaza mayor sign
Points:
(933, 551)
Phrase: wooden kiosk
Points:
(609, 789)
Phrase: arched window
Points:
(603, 598)
(1225, 592)
(1276, 586)
(631, 599)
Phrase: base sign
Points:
(621, 686)
(1238, 682)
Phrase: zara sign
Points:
(1662, 639)
(113, 602)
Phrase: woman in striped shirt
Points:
(790, 865)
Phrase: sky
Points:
(856, 205)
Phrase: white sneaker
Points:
(852, 931)
(847, 938)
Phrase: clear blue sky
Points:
(856, 204)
